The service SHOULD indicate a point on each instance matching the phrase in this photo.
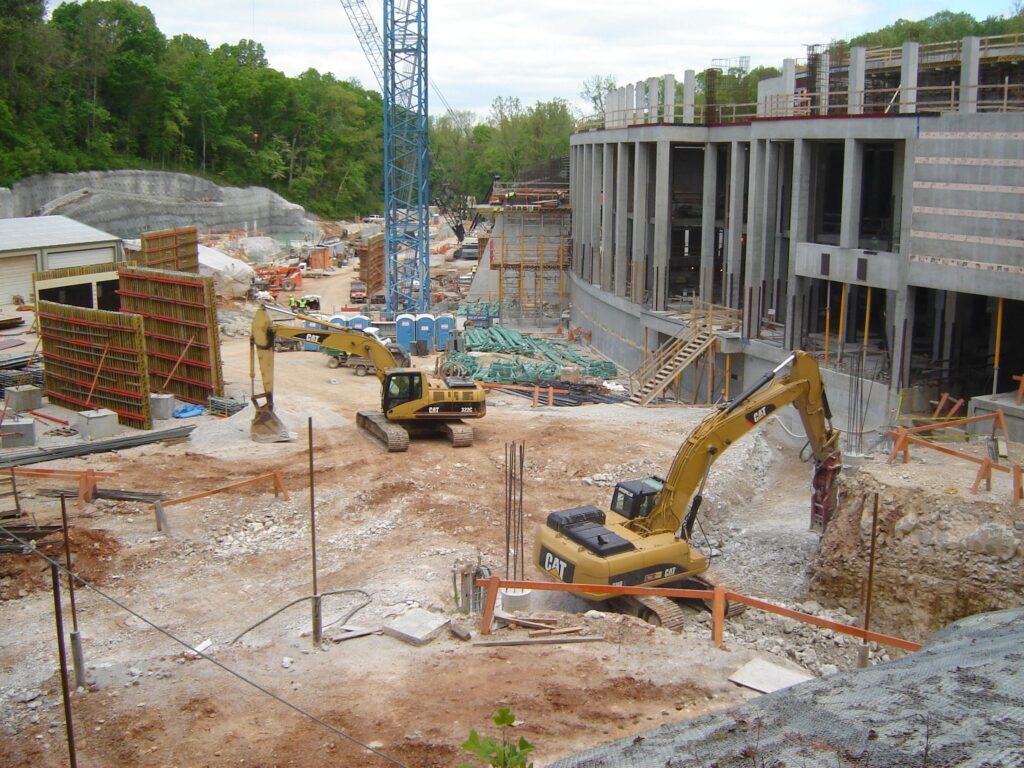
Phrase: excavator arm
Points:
(266, 426)
(678, 502)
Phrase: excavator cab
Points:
(401, 387)
(635, 498)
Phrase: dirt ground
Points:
(392, 526)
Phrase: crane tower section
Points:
(406, 157)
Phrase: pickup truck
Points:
(357, 292)
(361, 365)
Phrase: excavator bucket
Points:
(266, 426)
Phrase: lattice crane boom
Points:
(403, 65)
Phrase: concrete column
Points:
(575, 168)
(908, 77)
(607, 218)
(948, 320)
(609, 109)
(903, 311)
(629, 106)
(772, 183)
(597, 165)
(653, 100)
(970, 64)
(755, 238)
(586, 204)
(641, 169)
(855, 93)
(662, 222)
(641, 102)
(853, 169)
(734, 224)
(798, 213)
(689, 97)
(669, 100)
(621, 250)
(707, 224)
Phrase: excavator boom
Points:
(645, 537)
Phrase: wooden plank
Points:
(553, 632)
(273, 477)
(539, 641)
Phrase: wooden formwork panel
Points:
(173, 249)
(371, 263)
(180, 318)
(95, 359)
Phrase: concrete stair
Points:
(669, 361)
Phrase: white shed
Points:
(40, 243)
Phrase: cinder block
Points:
(97, 424)
(161, 406)
(417, 627)
(17, 433)
(23, 398)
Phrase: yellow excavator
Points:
(411, 401)
(644, 540)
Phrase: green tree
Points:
(595, 88)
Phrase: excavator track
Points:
(391, 435)
(710, 580)
(459, 434)
(659, 611)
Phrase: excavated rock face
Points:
(941, 554)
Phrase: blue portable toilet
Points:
(359, 322)
(405, 331)
(340, 320)
(443, 328)
(425, 333)
(309, 346)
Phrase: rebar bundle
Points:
(515, 559)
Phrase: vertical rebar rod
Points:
(317, 614)
(78, 659)
(862, 659)
(62, 653)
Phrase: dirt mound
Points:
(941, 553)
(91, 553)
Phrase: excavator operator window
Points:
(401, 388)
(622, 503)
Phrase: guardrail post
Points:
(718, 616)
(492, 598)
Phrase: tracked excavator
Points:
(411, 401)
(645, 538)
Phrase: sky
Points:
(538, 50)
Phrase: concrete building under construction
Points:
(867, 208)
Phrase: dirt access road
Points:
(392, 526)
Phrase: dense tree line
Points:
(97, 86)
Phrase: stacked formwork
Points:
(181, 340)
(371, 264)
(95, 359)
(530, 249)
(174, 249)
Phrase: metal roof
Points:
(35, 232)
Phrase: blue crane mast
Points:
(401, 69)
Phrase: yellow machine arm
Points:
(802, 386)
(327, 335)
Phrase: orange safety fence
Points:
(904, 437)
(86, 479)
(719, 596)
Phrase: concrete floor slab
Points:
(417, 627)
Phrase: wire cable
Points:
(294, 707)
